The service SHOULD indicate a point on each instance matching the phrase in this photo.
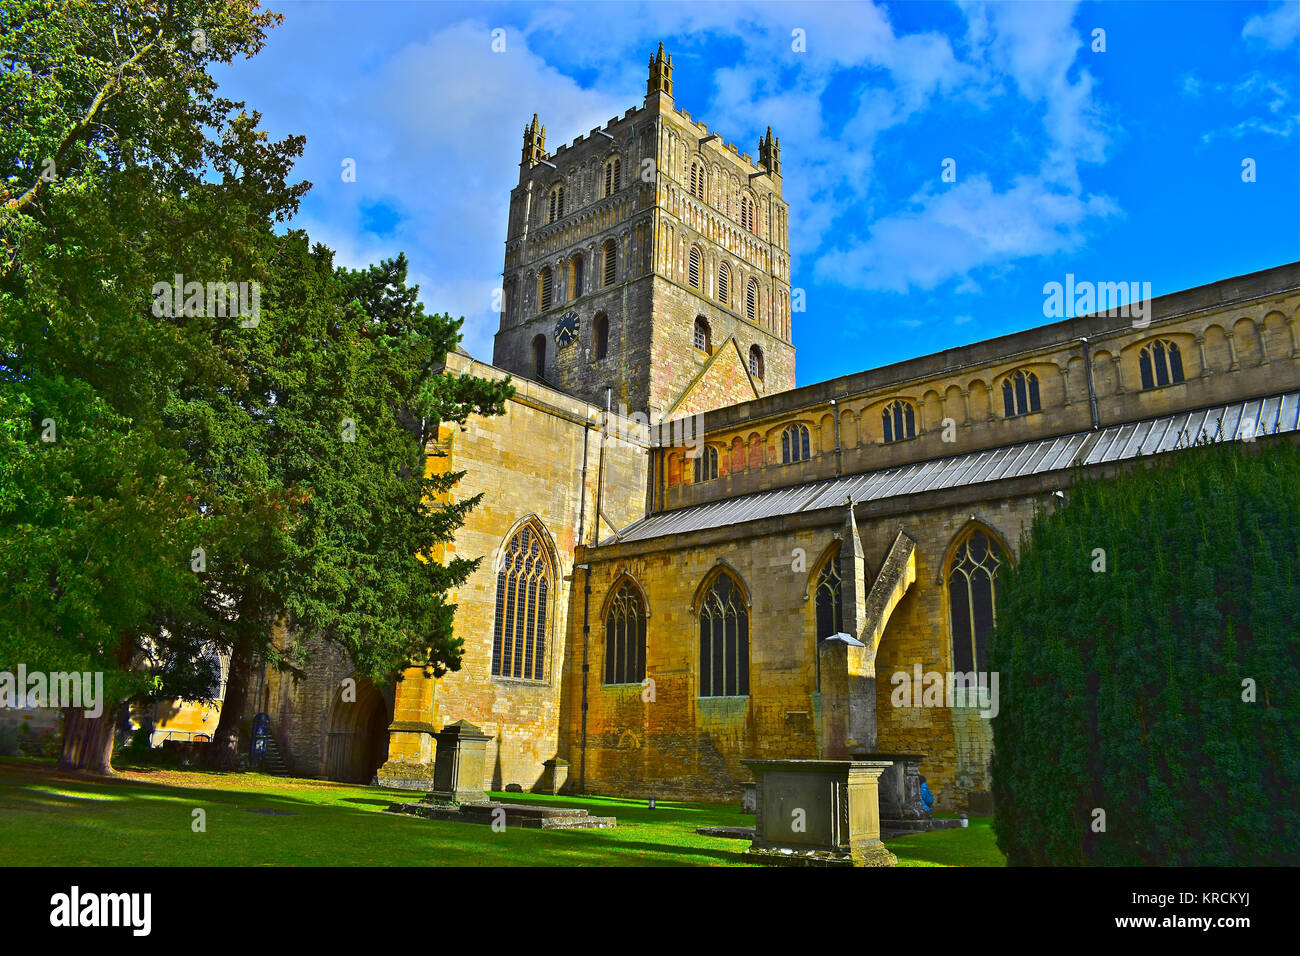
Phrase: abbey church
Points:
(759, 576)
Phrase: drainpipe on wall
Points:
(1092, 388)
(586, 596)
(835, 409)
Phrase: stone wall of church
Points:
(529, 465)
(1237, 339)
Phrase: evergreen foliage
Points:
(1126, 690)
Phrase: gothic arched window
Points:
(724, 640)
(756, 362)
(724, 282)
(625, 636)
(751, 300)
(706, 464)
(693, 267)
(794, 444)
(613, 175)
(1020, 393)
(899, 421)
(609, 255)
(829, 602)
(523, 589)
(703, 338)
(972, 599)
(1161, 364)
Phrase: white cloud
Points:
(951, 231)
(1277, 29)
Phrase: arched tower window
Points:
(829, 601)
(751, 300)
(724, 640)
(972, 598)
(1161, 364)
(613, 175)
(523, 589)
(625, 622)
(899, 421)
(703, 337)
(794, 444)
(756, 362)
(706, 464)
(575, 276)
(601, 335)
(557, 202)
(693, 267)
(1020, 393)
(697, 180)
(748, 213)
(609, 266)
(545, 289)
(724, 282)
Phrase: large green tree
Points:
(120, 167)
(178, 479)
(1148, 643)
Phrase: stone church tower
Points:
(650, 259)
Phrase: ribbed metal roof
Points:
(1276, 414)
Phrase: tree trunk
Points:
(88, 741)
(223, 752)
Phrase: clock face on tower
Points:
(566, 329)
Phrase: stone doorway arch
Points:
(357, 734)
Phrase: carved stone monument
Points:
(818, 813)
(459, 764)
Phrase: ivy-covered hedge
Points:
(1128, 690)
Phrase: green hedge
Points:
(1123, 690)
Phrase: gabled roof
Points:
(1273, 415)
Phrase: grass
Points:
(144, 817)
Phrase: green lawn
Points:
(143, 818)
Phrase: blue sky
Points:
(1122, 165)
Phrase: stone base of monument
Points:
(509, 814)
(818, 813)
(892, 829)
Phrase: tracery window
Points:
(625, 622)
(523, 589)
(898, 421)
(830, 607)
(794, 444)
(1161, 364)
(972, 594)
(724, 640)
(706, 464)
(1020, 393)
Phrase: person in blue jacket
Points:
(926, 796)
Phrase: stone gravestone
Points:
(818, 813)
(459, 764)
